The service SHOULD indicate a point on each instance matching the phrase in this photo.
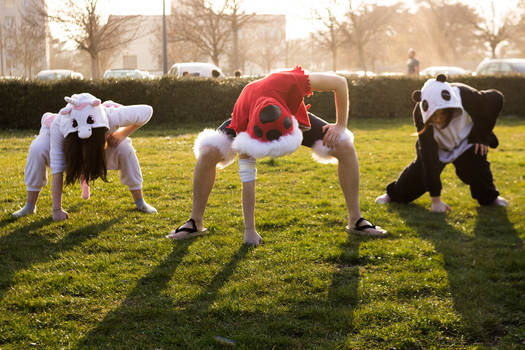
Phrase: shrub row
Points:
(177, 101)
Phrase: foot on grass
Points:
(501, 202)
(383, 199)
(28, 209)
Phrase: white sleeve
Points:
(129, 115)
(57, 160)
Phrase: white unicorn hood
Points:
(82, 113)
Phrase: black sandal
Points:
(360, 229)
(186, 232)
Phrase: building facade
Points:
(24, 48)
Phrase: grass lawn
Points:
(107, 278)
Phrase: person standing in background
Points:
(412, 63)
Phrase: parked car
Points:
(9, 77)
(195, 69)
(126, 74)
(448, 70)
(501, 66)
(58, 74)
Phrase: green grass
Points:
(107, 278)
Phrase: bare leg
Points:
(251, 236)
(348, 172)
(30, 206)
(203, 180)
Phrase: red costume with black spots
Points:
(269, 114)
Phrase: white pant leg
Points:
(35, 174)
(124, 159)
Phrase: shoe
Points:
(186, 232)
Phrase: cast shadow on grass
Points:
(484, 269)
(24, 247)
(148, 318)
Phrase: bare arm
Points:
(131, 118)
(339, 86)
(121, 133)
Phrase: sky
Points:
(298, 12)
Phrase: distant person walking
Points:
(412, 63)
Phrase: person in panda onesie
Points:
(270, 119)
(454, 123)
(83, 140)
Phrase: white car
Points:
(126, 74)
(58, 74)
(195, 69)
(501, 66)
(448, 70)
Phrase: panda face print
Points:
(445, 94)
(424, 105)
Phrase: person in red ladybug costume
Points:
(270, 119)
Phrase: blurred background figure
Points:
(237, 74)
(412, 63)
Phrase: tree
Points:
(449, 27)
(494, 29)
(198, 23)
(330, 36)
(238, 19)
(25, 43)
(366, 23)
(82, 23)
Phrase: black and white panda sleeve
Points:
(484, 108)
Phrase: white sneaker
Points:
(501, 202)
(383, 199)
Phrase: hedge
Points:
(178, 101)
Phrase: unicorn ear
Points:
(96, 102)
(71, 100)
(66, 110)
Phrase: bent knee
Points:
(343, 149)
(210, 154)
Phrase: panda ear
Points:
(416, 96)
(441, 77)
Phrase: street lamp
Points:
(164, 43)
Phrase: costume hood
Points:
(272, 130)
(437, 94)
(82, 113)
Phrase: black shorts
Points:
(309, 137)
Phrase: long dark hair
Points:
(85, 158)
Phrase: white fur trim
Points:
(321, 153)
(219, 140)
(245, 144)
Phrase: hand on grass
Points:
(60, 214)
(251, 237)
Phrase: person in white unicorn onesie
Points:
(84, 140)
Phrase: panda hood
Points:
(437, 94)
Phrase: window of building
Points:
(9, 3)
(10, 22)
